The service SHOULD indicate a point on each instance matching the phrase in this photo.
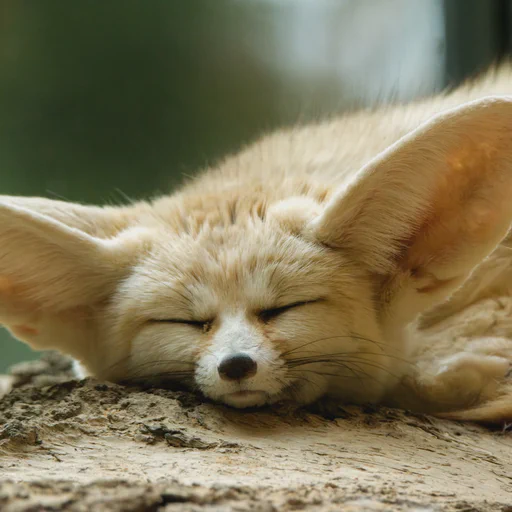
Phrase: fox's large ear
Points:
(56, 261)
(431, 207)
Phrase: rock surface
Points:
(88, 445)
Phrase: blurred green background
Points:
(101, 101)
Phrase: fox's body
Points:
(295, 270)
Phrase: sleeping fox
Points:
(298, 270)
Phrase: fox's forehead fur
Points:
(249, 266)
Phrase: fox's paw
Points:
(468, 378)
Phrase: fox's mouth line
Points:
(255, 393)
(245, 393)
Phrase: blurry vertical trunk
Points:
(477, 35)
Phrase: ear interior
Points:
(435, 204)
(49, 263)
(51, 273)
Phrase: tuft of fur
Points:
(326, 254)
(496, 411)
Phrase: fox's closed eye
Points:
(266, 315)
(205, 325)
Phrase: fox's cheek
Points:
(313, 390)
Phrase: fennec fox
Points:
(295, 270)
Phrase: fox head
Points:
(254, 290)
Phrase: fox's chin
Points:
(244, 399)
(258, 398)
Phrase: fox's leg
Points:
(466, 379)
(495, 401)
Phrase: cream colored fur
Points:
(371, 222)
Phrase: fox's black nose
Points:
(237, 367)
